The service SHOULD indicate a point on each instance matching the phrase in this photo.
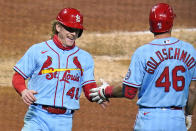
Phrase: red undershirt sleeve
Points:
(86, 89)
(18, 82)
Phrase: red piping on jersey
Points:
(165, 44)
(87, 81)
(21, 72)
(131, 83)
(58, 72)
(66, 68)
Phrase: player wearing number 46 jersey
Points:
(162, 72)
(57, 70)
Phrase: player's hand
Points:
(28, 96)
(104, 104)
(95, 95)
(98, 94)
(188, 121)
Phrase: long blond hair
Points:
(54, 31)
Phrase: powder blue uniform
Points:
(162, 71)
(57, 77)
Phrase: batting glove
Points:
(188, 121)
(98, 94)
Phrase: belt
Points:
(55, 110)
(170, 107)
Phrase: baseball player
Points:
(161, 72)
(57, 71)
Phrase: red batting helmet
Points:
(161, 18)
(71, 17)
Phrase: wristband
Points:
(108, 91)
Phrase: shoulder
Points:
(188, 47)
(85, 57)
(187, 44)
(84, 54)
(38, 47)
(142, 50)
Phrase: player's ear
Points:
(58, 27)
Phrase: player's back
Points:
(169, 66)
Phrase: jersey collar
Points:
(164, 41)
(60, 45)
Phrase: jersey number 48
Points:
(164, 79)
(72, 91)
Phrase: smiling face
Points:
(67, 35)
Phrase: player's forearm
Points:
(18, 82)
(113, 92)
(105, 91)
(192, 99)
(86, 89)
(124, 91)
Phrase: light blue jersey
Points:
(162, 71)
(58, 75)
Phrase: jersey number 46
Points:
(164, 79)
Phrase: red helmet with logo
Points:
(161, 18)
(71, 17)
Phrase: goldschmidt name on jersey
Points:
(169, 54)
